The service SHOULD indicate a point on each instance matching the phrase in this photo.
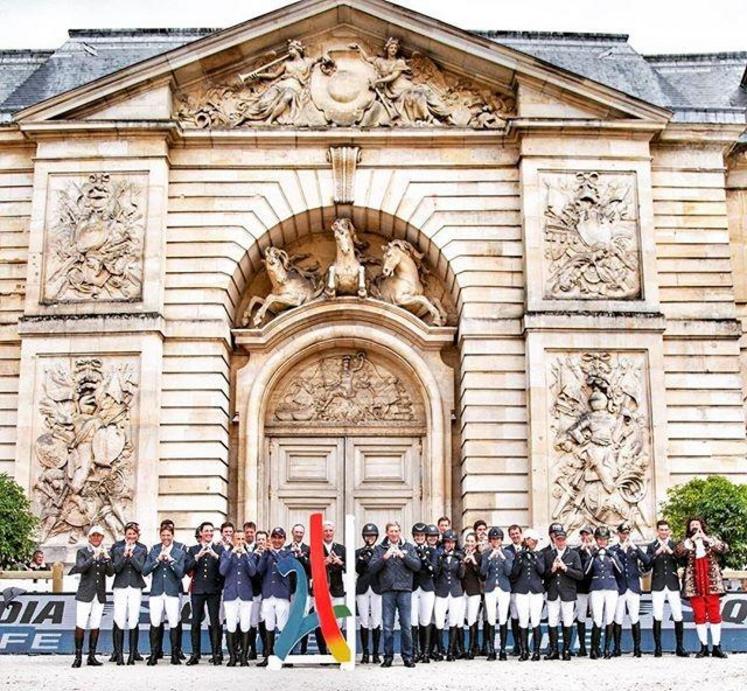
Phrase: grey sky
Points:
(655, 26)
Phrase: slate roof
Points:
(698, 88)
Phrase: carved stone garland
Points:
(591, 236)
(345, 86)
(94, 248)
(600, 429)
(343, 389)
(84, 459)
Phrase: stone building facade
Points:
(346, 257)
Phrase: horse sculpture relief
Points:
(400, 281)
(347, 276)
(292, 285)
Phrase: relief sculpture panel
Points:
(83, 452)
(344, 83)
(94, 239)
(590, 236)
(345, 388)
(600, 435)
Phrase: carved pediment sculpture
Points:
(345, 86)
(591, 236)
(601, 440)
(343, 389)
(94, 246)
(84, 458)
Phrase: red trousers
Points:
(706, 608)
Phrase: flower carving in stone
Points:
(600, 430)
(94, 247)
(83, 460)
(591, 238)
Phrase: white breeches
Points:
(369, 609)
(582, 607)
(630, 600)
(603, 606)
(275, 612)
(512, 608)
(557, 610)
(471, 608)
(675, 603)
(168, 604)
(127, 607)
(455, 608)
(529, 609)
(238, 612)
(422, 607)
(497, 603)
(88, 614)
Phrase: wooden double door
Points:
(376, 478)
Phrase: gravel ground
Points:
(647, 674)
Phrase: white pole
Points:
(349, 580)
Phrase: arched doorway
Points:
(344, 433)
(344, 406)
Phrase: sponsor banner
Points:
(42, 623)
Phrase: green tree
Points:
(17, 524)
(723, 505)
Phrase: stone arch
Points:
(313, 328)
(317, 221)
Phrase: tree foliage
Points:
(723, 505)
(17, 524)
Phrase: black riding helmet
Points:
(419, 527)
(431, 531)
(370, 529)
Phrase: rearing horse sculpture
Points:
(347, 276)
(400, 282)
(292, 285)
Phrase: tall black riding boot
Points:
(305, 644)
(581, 633)
(232, 644)
(503, 628)
(179, 630)
(215, 643)
(376, 640)
(245, 647)
(536, 643)
(657, 638)
(636, 631)
(617, 633)
(596, 636)
(195, 635)
(133, 642)
(113, 657)
(451, 649)
(159, 648)
(471, 642)
(365, 652)
(425, 644)
(93, 640)
(552, 652)
(153, 637)
(211, 660)
(79, 633)
(489, 633)
(608, 644)
(436, 650)
(523, 644)
(459, 652)
(174, 640)
(252, 643)
(415, 643)
(516, 634)
(118, 644)
(567, 636)
(268, 648)
(679, 634)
